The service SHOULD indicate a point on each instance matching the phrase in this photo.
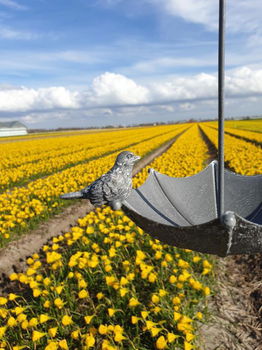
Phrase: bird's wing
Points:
(103, 190)
(95, 193)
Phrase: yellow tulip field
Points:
(105, 284)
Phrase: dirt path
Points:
(13, 256)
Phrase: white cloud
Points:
(244, 81)
(12, 4)
(186, 88)
(158, 64)
(114, 88)
(9, 33)
(241, 15)
(110, 90)
(25, 99)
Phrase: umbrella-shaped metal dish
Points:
(184, 211)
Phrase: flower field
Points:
(241, 156)
(106, 284)
(248, 125)
(20, 206)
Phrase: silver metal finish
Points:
(221, 97)
(184, 211)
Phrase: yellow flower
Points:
(90, 229)
(207, 264)
(36, 292)
(82, 283)
(123, 291)
(52, 332)
(144, 314)
(117, 329)
(13, 276)
(75, 334)
(52, 346)
(67, 320)
(18, 310)
(47, 304)
(189, 337)
(11, 322)
(123, 281)
(111, 312)
(135, 319)
(177, 316)
(182, 263)
(162, 292)
(89, 340)
(47, 281)
(119, 337)
(161, 342)
(188, 346)
(12, 296)
(24, 324)
(196, 259)
(152, 277)
(130, 276)
(99, 295)
(171, 337)
(33, 322)
(88, 319)
(59, 303)
(3, 301)
(2, 332)
(21, 317)
(37, 335)
(133, 302)
(154, 331)
(59, 289)
(199, 315)
(102, 329)
(155, 299)
(43, 318)
(83, 294)
(176, 301)
(3, 313)
(206, 291)
(150, 325)
(30, 271)
(63, 344)
(156, 309)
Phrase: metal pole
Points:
(221, 75)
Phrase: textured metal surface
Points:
(183, 211)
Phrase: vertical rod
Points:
(221, 78)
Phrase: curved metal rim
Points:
(213, 237)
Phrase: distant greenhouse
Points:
(13, 128)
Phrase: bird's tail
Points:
(72, 195)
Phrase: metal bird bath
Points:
(215, 211)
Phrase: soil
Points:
(236, 309)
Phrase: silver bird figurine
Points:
(111, 188)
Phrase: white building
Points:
(12, 129)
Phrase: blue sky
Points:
(98, 62)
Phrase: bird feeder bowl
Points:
(215, 211)
(184, 211)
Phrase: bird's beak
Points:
(136, 158)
